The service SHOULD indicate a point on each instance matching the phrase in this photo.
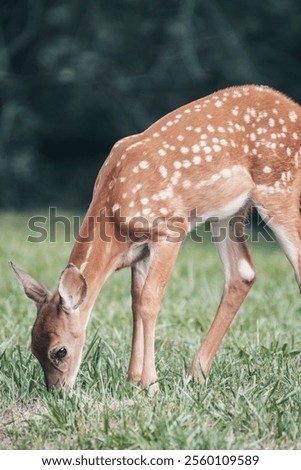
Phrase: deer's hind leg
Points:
(229, 237)
(282, 215)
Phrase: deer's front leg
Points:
(139, 273)
(160, 268)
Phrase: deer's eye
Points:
(61, 353)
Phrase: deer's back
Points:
(206, 152)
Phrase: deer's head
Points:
(58, 335)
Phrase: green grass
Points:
(251, 398)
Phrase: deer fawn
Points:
(210, 159)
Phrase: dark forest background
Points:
(75, 76)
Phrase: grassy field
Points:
(251, 399)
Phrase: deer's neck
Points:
(96, 254)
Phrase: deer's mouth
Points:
(59, 384)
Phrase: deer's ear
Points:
(32, 288)
(72, 288)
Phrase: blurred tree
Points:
(76, 75)
(18, 123)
